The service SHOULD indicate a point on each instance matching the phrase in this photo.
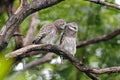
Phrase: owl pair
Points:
(49, 33)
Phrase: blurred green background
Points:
(94, 20)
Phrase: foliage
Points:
(93, 20)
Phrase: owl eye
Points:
(74, 28)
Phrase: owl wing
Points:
(44, 31)
(61, 41)
(62, 38)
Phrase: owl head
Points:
(60, 24)
(72, 27)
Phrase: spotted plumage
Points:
(50, 32)
(68, 40)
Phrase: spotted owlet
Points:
(68, 40)
(50, 32)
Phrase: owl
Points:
(50, 32)
(68, 39)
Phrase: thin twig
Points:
(101, 2)
(99, 39)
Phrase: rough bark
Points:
(17, 18)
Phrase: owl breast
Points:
(50, 38)
(69, 44)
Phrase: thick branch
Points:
(105, 3)
(99, 39)
(6, 5)
(64, 53)
(16, 19)
(21, 5)
(9, 6)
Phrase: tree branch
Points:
(48, 57)
(105, 3)
(18, 38)
(44, 59)
(16, 19)
(99, 39)
(91, 76)
(65, 54)
(22, 4)
(32, 29)
(9, 7)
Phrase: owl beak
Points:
(63, 27)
